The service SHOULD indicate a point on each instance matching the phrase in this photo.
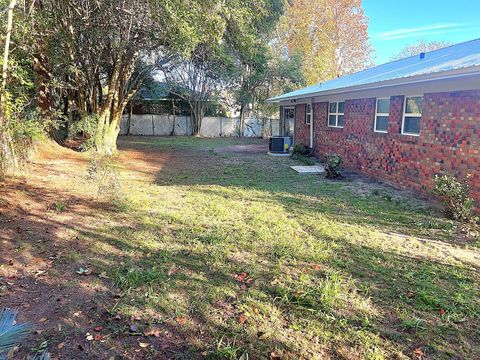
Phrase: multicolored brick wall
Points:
(449, 140)
(302, 130)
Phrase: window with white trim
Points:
(308, 114)
(412, 114)
(382, 115)
(336, 114)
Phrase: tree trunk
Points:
(198, 112)
(7, 150)
(129, 120)
(107, 132)
(242, 119)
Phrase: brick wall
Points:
(302, 130)
(449, 140)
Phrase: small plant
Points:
(333, 166)
(11, 333)
(59, 206)
(304, 159)
(300, 149)
(456, 196)
(103, 172)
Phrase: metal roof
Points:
(455, 57)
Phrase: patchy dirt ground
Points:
(56, 231)
(42, 212)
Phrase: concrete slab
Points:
(279, 154)
(308, 170)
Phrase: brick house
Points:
(400, 122)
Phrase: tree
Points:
(18, 125)
(248, 37)
(197, 78)
(419, 47)
(102, 51)
(7, 155)
(239, 61)
(330, 36)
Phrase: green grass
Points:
(342, 269)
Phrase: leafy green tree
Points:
(102, 50)
(248, 37)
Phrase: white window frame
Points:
(419, 115)
(336, 114)
(308, 114)
(377, 114)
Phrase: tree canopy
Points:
(330, 37)
(419, 47)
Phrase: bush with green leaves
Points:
(333, 166)
(455, 194)
(300, 149)
(22, 132)
(104, 173)
(87, 126)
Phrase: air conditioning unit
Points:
(280, 144)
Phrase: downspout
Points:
(313, 142)
(311, 124)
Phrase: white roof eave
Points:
(443, 75)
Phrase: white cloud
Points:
(419, 31)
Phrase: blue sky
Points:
(394, 24)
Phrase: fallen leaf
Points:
(181, 320)
(83, 271)
(410, 294)
(242, 319)
(143, 345)
(241, 277)
(316, 267)
(61, 345)
(41, 273)
(98, 337)
(152, 332)
(418, 353)
(442, 312)
(98, 328)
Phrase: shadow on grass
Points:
(197, 281)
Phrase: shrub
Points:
(300, 149)
(455, 195)
(333, 166)
(87, 126)
(103, 172)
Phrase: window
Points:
(382, 113)
(336, 114)
(411, 115)
(308, 114)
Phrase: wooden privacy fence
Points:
(170, 125)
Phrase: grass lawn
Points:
(217, 254)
